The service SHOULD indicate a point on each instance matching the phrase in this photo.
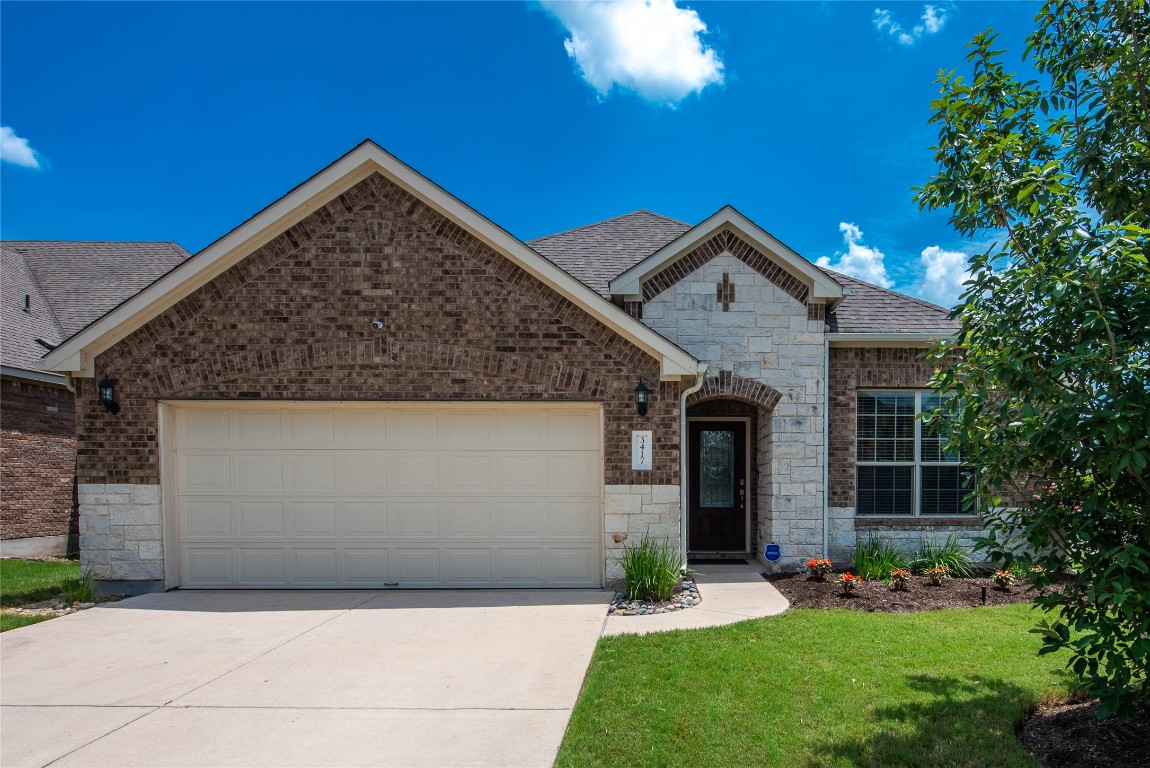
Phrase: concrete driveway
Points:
(245, 678)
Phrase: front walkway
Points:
(412, 678)
(730, 593)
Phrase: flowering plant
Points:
(818, 568)
(936, 576)
(899, 579)
(848, 581)
(1003, 577)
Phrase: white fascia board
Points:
(54, 379)
(885, 339)
(77, 354)
(630, 283)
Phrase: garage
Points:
(310, 495)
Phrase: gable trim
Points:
(820, 287)
(77, 354)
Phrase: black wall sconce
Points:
(106, 393)
(641, 398)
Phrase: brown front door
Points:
(717, 510)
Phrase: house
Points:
(370, 384)
(49, 291)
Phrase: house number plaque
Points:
(641, 450)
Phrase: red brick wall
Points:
(293, 321)
(851, 369)
(37, 459)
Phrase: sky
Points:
(178, 121)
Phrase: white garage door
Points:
(286, 495)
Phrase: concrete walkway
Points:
(413, 678)
(730, 593)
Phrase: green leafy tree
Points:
(1049, 378)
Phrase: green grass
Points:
(29, 581)
(933, 554)
(651, 569)
(875, 559)
(816, 689)
(12, 621)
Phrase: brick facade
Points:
(37, 460)
(293, 321)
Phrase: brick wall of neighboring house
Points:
(294, 321)
(37, 460)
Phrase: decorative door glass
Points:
(716, 468)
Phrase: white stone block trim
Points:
(121, 533)
(631, 512)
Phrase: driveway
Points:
(246, 678)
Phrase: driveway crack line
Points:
(109, 733)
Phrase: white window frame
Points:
(916, 465)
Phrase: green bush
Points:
(950, 553)
(651, 569)
(875, 559)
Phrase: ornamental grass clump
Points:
(848, 582)
(937, 575)
(900, 579)
(951, 554)
(818, 568)
(79, 589)
(651, 570)
(875, 559)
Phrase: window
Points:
(901, 464)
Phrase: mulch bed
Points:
(803, 592)
(1069, 736)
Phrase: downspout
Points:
(700, 374)
(826, 443)
(69, 383)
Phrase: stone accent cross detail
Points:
(725, 292)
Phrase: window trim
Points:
(916, 465)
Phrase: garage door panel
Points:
(422, 495)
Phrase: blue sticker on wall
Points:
(772, 552)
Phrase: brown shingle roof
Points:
(871, 309)
(596, 253)
(69, 285)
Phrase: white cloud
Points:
(14, 149)
(860, 260)
(651, 47)
(943, 275)
(932, 20)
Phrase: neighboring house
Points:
(49, 291)
(370, 384)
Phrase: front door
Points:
(717, 511)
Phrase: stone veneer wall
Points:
(121, 533)
(767, 335)
(634, 511)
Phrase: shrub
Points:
(937, 575)
(848, 581)
(1003, 577)
(951, 554)
(874, 560)
(651, 569)
(900, 579)
(80, 589)
(818, 568)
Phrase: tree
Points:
(1049, 378)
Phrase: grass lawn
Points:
(815, 688)
(28, 581)
(11, 621)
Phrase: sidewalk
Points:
(730, 593)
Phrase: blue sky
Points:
(177, 121)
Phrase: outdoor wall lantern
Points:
(641, 398)
(106, 392)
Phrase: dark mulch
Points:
(1070, 736)
(803, 592)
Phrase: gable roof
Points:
(595, 253)
(868, 308)
(68, 284)
(630, 282)
(77, 354)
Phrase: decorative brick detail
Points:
(292, 321)
(725, 292)
(634, 309)
(37, 460)
(725, 242)
(632, 512)
(816, 312)
(852, 369)
(728, 385)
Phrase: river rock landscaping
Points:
(686, 596)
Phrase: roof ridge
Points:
(900, 294)
(604, 221)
